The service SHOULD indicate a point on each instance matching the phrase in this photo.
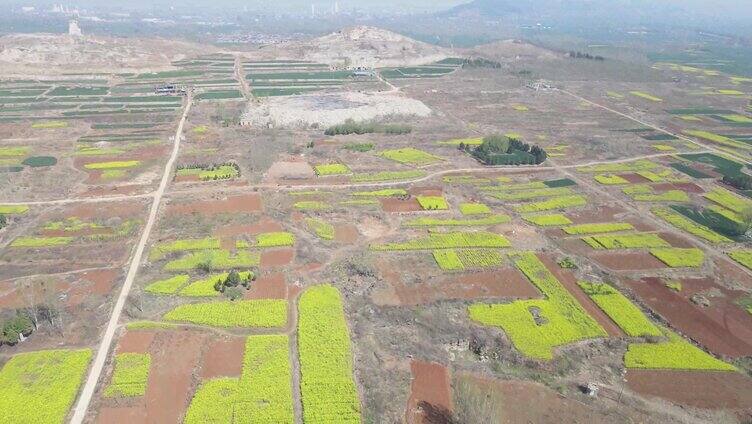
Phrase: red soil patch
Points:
(277, 257)
(569, 281)
(430, 395)
(676, 240)
(263, 226)
(426, 191)
(227, 243)
(120, 415)
(347, 233)
(135, 341)
(233, 204)
(394, 204)
(733, 273)
(632, 261)
(722, 327)
(635, 178)
(224, 358)
(186, 178)
(699, 389)
(271, 286)
(103, 280)
(175, 355)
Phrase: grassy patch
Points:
(264, 313)
(450, 222)
(33, 242)
(728, 199)
(448, 260)
(312, 205)
(387, 192)
(606, 227)
(112, 164)
(130, 376)
(40, 387)
(610, 179)
(452, 240)
(321, 228)
(331, 169)
(537, 326)
(214, 259)
(477, 141)
(646, 96)
(168, 286)
(474, 209)
(517, 195)
(679, 258)
(718, 139)
(620, 309)
(553, 220)
(13, 209)
(47, 125)
(14, 151)
(626, 241)
(275, 239)
(328, 391)
(638, 165)
(676, 353)
(410, 156)
(743, 256)
(387, 176)
(182, 245)
(561, 202)
(432, 202)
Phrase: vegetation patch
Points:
(606, 227)
(14, 151)
(168, 286)
(638, 165)
(728, 200)
(534, 193)
(451, 240)
(718, 139)
(40, 387)
(743, 256)
(47, 125)
(480, 258)
(214, 259)
(448, 260)
(646, 96)
(410, 156)
(332, 169)
(275, 239)
(676, 353)
(537, 326)
(162, 249)
(679, 258)
(432, 203)
(680, 221)
(620, 309)
(264, 313)
(328, 391)
(210, 172)
(33, 242)
(610, 179)
(553, 220)
(113, 164)
(468, 222)
(312, 205)
(626, 241)
(13, 209)
(462, 141)
(503, 150)
(388, 176)
(321, 228)
(387, 192)
(130, 376)
(262, 394)
(358, 147)
(352, 127)
(561, 202)
(474, 209)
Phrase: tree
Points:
(746, 218)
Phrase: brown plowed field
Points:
(430, 394)
(277, 257)
(722, 327)
(135, 341)
(628, 261)
(270, 286)
(224, 358)
(393, 204)
(346, 233)
(699, 389)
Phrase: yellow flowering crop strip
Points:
(332, 169)
(553, 203)
(553, 220)
(113, 164)
(161, 249)
(214, 259)
(327, 387)
(452, 240)
(130, 376)
(743, 256)
(452, 222)
(474, 209)
(679, 258)
(626, 241)
(264, 313)
(168, 286)
(323, 229)
(601, 227)
(620, 309)
(410, 156)
(676, 353)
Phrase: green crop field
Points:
(517, 195)
(626, 241)
(112, 164)
(479, 258)
(264, 313)
(221, 172)
(728, 200)
(168, 286)
(387, 192)
(620, 309)
(329, 394)
(164, 248)
(205, 286)
(332, 169)
(638, 165)
(262, 394)
(646, 96)
(15, 151)
(13, 209)
(676, 353)
(718, 139)
(679, 258)
(743, 256)
(214, 259)
(321, 228)
(275, 239)
(450, 222)
(680, 221)
(312, 205)
(410, 156)
(474, 209)
(432, 202)
(553, 220)
(36, 242)
(605, 227)
(448, 260)
(40, 387)
(130, 376)
(452, 240)
(562, 320)
(608, 179)
(554, 203)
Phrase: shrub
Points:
(13, 328)
(329, 394)
(352, 127)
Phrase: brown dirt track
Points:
(430, 393)
(722, 327)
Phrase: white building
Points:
(73, 28)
